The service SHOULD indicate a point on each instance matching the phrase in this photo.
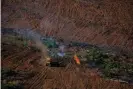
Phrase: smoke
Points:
(43, 51)
(36, 37)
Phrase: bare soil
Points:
(102, 22)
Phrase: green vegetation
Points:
(110, 65)
(11, 85)
(96, 56)
(6, 72)
(50, 43)
(15, 40)
(8, 83)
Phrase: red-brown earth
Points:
(102, 22)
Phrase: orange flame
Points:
(76, 59)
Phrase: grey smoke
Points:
(36, 37)
(28, 33)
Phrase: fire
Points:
(48, 59)
(76, 59)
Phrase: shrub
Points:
(96, 55)
(11, 86)
(35, 49)
(7, 72)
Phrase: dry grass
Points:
(97, 22)
(60, 78)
